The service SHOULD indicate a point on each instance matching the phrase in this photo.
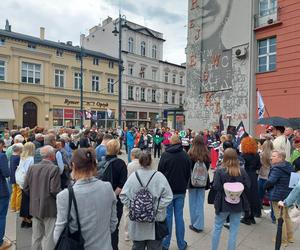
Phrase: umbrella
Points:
(274, 121)
(279, 231)
(295, 123)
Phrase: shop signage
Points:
(93, 104)
(69, 113)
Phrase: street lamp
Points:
(81, 86)
(116, 31)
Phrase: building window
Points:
(130, 69)
(77, 79)
(180, 99)
(166, 77)
(130, 92)
(143, 48)
(59, 53)
(31, 73)
(96, 61)
(181, 80)
(59, 78)
(143, 94)
(166, 97)
(154, 73)
(2, 41)
(174, 78)
(267, 54)
(267, 7)
(130, 45)
(173, 97)
(131, 115)
(153, 96)
(66, 117)
(95, 83)
(154, 51)
(142, 72)
(2, 70)
(111, 64)
(31, 46)
(110, 85)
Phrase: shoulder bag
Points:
(68, 240)
(161, 227)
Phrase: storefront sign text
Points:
(93, 104)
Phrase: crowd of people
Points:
(60, 178)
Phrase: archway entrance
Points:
(29, 115)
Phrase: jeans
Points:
(261, 190)
(176, 206)
(233, 231)
(3, 212)
(196, 204)
(129, 148)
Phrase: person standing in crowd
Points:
(281, 143)
(38, 141)
(17, 139)
(116, 174)
(42, 184)
(26, 162)
(125, 139)
(120, 134)
(131, 168)
(296, 152)
(142, 233)
(67, 147)
(7, 140)
(289, 133)
(167, 135)
(15, 198)
(157, 139)
(4, 199)
(84, 141)
(185, 139)
(252, 165)
(130, 142)
(278, 189)
(144, 140)
(231, 178)
(176, 167)
(99, 218)
(2, 146)
(198, 154)
(101, 149)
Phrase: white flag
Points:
(109, 112)
(260, 106)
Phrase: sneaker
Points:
(195, 229)
(246, 221)
(5, 245)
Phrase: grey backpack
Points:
(199, 175)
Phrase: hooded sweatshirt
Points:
(278, 181)
(176, 167)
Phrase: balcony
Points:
(267, 17)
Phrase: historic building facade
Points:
(150, 86)
(40, 83)
(236, 49)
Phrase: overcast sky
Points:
(64, 20)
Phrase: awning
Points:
(6, 110)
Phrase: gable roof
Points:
(52, 44)
(140, 30)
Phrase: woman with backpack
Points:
(199, 156)
(230, 181)
(142, 227)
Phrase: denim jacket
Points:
(294, 197)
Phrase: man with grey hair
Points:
(50, 140)
(17, 139)
(42, 184)
(278, 189)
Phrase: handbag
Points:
(211, 195)
(68, 240)
(161, 227)
(20, 176)
(294, 214)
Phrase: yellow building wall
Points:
(45, 95)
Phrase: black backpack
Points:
(102, 166)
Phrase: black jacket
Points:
(176, 167)
(221, 205)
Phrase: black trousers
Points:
(157, 149)
(115, 234)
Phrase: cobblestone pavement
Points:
(258, 237)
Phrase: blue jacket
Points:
(278, 181)
(294, 197)
(130, 139)
(4, 173)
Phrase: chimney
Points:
(42, 33)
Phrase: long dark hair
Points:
(199, 151)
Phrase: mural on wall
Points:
(217, 81)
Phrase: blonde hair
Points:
(267, 148)
(175, 139)
(231, 162)
(112, 147)
(28, 150)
